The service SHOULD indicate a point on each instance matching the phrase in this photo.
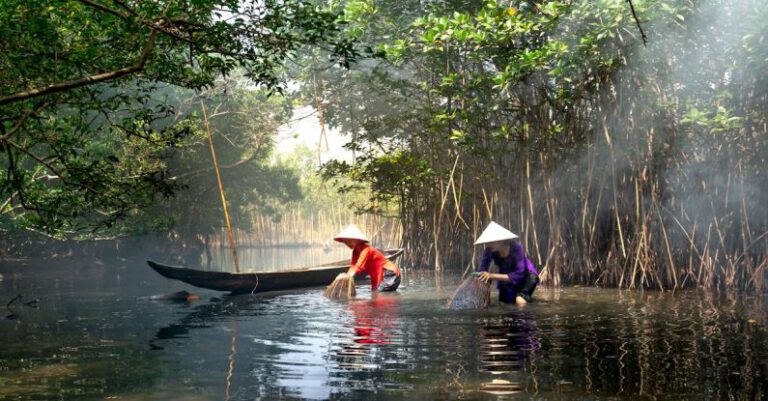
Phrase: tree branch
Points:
(50, 167)
(150, 24)
(93, 79)
(205, 170)
(6, 203)
(21, 120)
(40, 160)
(637, 21)
(103, 8)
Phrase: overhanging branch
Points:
(93, 79)
(637, 21)
(205, 170)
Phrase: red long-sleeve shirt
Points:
(367, 259)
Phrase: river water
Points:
(97, 333)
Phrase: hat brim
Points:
(495, 233)
(342, 239)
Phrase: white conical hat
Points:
(493, 233)
(351, 232)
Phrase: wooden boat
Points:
(312, 276)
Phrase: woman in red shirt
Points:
(385, 275)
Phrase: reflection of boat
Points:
(312, 276)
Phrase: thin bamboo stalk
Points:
(221, 187)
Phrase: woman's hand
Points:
(485, 277)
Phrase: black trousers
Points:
(529, 285)
(507, 292)
(390, 282)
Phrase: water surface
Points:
(96, 333)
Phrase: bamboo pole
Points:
(615, 194)
(221, 187)
(530, 206)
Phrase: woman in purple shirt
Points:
(517, 277)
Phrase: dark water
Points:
(96, 334)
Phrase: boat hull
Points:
(313, 276)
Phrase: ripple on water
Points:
(574, 343)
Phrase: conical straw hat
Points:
(493, 233)
(351, 232)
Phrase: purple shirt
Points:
(515, 265)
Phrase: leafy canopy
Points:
(85, 139)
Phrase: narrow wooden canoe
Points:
(312, 276)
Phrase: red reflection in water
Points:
(374, 319)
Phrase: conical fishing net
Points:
(471, 294)
(343, 287)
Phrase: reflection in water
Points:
(374, 323)
(505, 344)
(200, 315)
(375, 319)
(231, 361)
(85, 343)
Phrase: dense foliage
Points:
(618, 163)
(87, 138)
